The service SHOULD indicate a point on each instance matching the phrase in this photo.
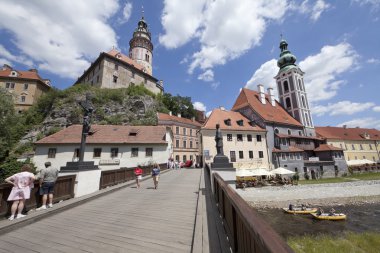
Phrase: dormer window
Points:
(13, 73)
(132, 133)
(276, 131)
(227, 122)
(240, 122)
(118, 56)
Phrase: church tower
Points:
(141, 47)
(291, 89)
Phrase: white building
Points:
(109, 146)
(243, 143)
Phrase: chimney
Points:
(179, 115)
(170, 113)
(260, 88)
(193, 119)
(345, 126)
(271, 97)
(222, 108)
(33, 70)
(7, 67)
(161, 83)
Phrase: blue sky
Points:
(210, 49)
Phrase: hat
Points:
(47, 164)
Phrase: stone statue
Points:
(219, 141)
(88, 110)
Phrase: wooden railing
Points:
(113, 177)
(246, 230)
(63, 189)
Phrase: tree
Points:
(178, 104)
(7, 117)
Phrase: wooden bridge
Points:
(180, 216)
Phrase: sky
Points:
(210, 49)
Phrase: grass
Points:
(364, 176)
(348, 242)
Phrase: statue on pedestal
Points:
(219, 141)
(88, 110)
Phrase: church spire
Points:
(286, 57)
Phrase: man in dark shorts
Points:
(48, 176)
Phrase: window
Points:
(114, 152)
(240, 122)
(249, 137)
(261, 154)
(184, 144)
(291, 156)
(177, 143)
(191, 144)
(298, 156)
(341, 146)
(52, 152)
(286, 86)
(250, 154)
(184, 131)
(177, 157)
(373, 158)
(299, 84)
(76, 153)
(133, 74)
(177, 130)
(300, 133)
(276, 131)
(364, 157)
(258, 138)
(191, 132)
(283, 156)
(12, 85)
(191, 157)
(289, 132)
(227, 122)
(147, 57)
(303, 101)
(288, 104)
(26, 86)
(148, 152)
(361, 147)
(7, 85)
(353, 147)
(229, 137)
(232, 156)
(116, 66)
(135, 152)
(283, 141)
(115, 79)
(370, 146)
(239, 137)
(241, 155)
(356, 158)
(22, 99)
(97, 152)
(184, 158)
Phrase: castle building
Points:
(26, 86)
(114, 69)
(291, 138)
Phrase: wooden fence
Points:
(113, 177)
(63, 189)
(246, 230)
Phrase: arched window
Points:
(276, 131)
(286, 86)
(288, 104)
(299, 84)
(307, 119)
(303, 101)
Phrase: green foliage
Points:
(346, 242)
(52, 130)
(139, 90)
(12, 166)
(7, 121)
(178, 104)
(21, 149)
(114, 120)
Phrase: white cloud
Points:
(375, 4)
(215, 85)
(60, 36)
(199, 106)
(127, 11)
(9, 57)
(373, 61)
(207, 76)
(313, 9)
(4, 61)
(264, 75)
(376, 108)
(208, 114)
(367, 122)
(220, 26)
(323, 69)
(341, 108)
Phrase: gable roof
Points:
(326, 147)
(122, 57)
(341, 133)
(166, 119)
(219, 116)
(27, 75)
(291, 149)
(107, 134)
(266, 111)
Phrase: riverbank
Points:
(334, 194)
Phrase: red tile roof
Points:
(268, 112)
(341, 133)
(30, 75)
(298, 137)
(105, 134)
(166, 119)
(290, 150)
(118, 55)
(218, 116)
(326, 147)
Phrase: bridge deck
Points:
(127, 220)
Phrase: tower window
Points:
(147, 57)
(286, 86)
(299, 84)
(115, 79)
(288, 104)
(303, 101)
(307, 119)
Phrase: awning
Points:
(359, 162)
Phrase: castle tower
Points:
(141, 47)
(291, 89)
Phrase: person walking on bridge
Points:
(48, 176)
(156, 174)
(138, 174)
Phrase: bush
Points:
(12, 166)
(307, 177)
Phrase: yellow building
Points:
(186, 142)
(357, 143)
(244, 144)
(26, 86)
